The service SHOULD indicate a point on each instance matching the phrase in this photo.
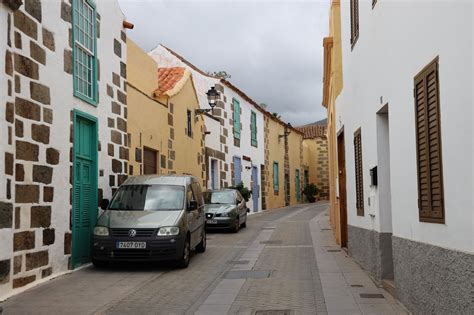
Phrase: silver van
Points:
(151, 218)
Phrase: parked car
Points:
(151, 218)
(225, 209)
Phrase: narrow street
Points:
(270, 265)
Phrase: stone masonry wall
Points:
(35, 213)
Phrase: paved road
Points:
(286, 261)
(276, 247)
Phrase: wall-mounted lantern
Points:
(212, 98)
(287, 132)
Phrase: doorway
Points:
(84, 205)
(341, 162)
(384, 192)
(255, 193)
(214, 175)
(150, 161)
(287, 189)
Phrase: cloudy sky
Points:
(272, 49)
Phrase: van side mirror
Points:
(104, 204)
(193, 205)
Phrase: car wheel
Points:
(183, 262)
(100, 263)
(244, 225)
(201, 247)
(237, 225)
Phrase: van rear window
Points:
(148, 197)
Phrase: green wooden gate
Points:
(298, 186)
(84, 205)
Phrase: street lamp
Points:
(287, 131)
(212, 98)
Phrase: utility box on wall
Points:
(373, 176)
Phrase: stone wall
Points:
(35, 211)
(431, 279)
(322, 164)
(372, 250)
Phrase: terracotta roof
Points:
(230, 85)
(168, 79)
(312, 131)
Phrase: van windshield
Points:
(148, 197)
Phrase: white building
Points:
(408, 86)
(234, 151)
(63, 96)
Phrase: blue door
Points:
(237, 171)
(255, 194)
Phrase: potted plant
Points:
(310, 191)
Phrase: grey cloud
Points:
(272, 49)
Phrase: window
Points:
(354, 22)
(253, 128)
(189, 125)
(359, 181)
(428, 145)
(237, 124)
(276, 177)
(84, 51)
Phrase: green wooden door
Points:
(85, 187)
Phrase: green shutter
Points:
(237, 124)
(253, 124)
(85, 187)
(84, 52)
(276, 177)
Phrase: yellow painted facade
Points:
(275, 153)
(158, 123)
(331, 89)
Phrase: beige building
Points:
(283, 179)
(165, 134)
(315, 158)
(331, 89)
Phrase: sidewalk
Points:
(346, 287)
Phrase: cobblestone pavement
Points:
(269, 266)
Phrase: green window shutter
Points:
(237, 124)
(276, 177)
(253, 124)
(84, 37)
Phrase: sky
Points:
(272, 49)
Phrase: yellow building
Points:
(165, 135)
(283, 180)
(315, 158)
(331, 89)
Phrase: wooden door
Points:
(150, 161)
(84, 207)
(341, 159)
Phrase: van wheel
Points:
(201, 247)
(183, 262)
(237, 225)
(100, 263)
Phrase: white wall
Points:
(257, 154)
(202, 84)
(398, 39)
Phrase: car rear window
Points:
(148, 197)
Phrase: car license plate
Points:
(211, 221)
(131, 245)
